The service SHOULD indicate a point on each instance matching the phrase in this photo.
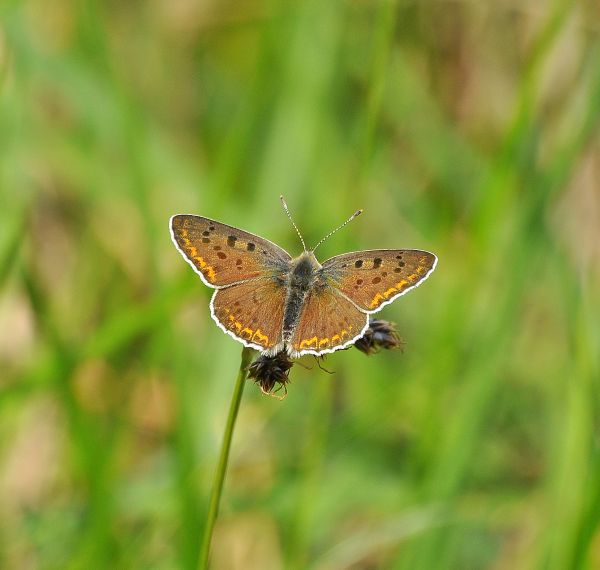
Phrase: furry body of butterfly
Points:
(268, 301)
(303, 278)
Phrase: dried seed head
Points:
(380, 334)
(271, 373)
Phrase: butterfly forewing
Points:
(251, 312)
(372, 279)
(327, 322)
(222, 254)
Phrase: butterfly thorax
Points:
(303, 274)
(303, 270)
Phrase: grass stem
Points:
(217, 488)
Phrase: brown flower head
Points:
(271, 373)
(380, 334)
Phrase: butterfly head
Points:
(305, 263)
(303, 270)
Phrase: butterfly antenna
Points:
(355, 215)
(292, 220)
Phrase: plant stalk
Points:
(219, 478)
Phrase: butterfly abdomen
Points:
(301, 280)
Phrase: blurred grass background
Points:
(467, 128)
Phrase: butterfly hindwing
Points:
(327, 322)
(372, 279)
(222, 254)
(252, 312)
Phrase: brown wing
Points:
(252, 312)
(327, 323)
(372, 279)
(222, 254)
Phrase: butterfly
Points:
(272, 302)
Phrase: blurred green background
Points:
(467, 128)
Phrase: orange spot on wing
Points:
(376, 301)
(260, 338)
(323, 342)
(308, 343)
(207, 270)
(247, 333)
(390, 292)
(380, 297)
